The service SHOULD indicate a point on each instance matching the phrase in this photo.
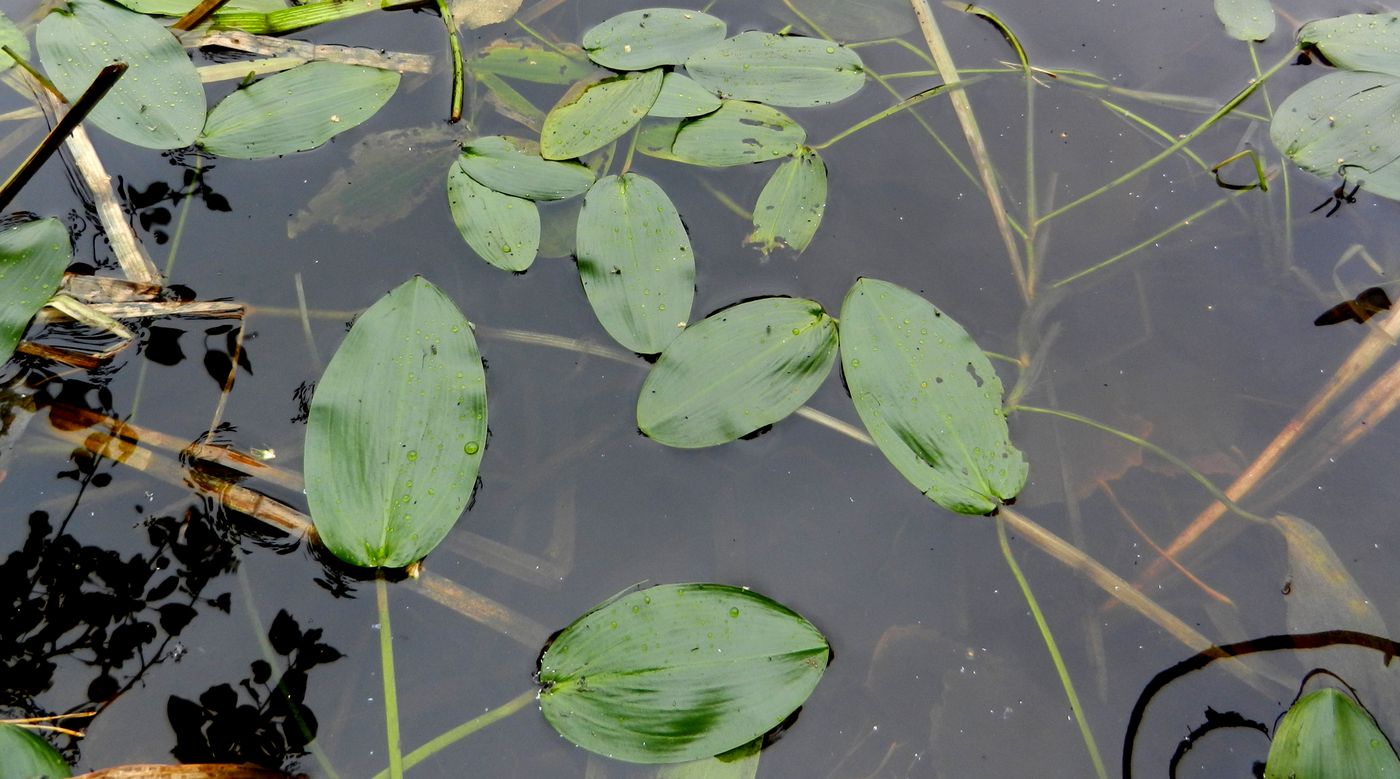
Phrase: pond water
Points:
(1201, 341)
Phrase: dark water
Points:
(1202, 342)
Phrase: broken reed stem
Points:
(198, 14)
(61, 130)
(1362, 358)
(943, 60)
(135, 263)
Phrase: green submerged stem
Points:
(391, 694)
(1220, 113)
(908, 102)
(465, 729)
(1054, 650)
(1185, 467)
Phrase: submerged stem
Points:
(1220, 113)
(465, 729)
(391, 694)
(908, 102)
(1053, 649)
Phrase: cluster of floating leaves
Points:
(690, 95)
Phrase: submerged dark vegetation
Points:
(397, 426)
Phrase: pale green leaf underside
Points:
(738, 133)
(635, 260)
(637, 40)
(296, 110)
(737, 370)
(397, 430)
(1344, 118)
(1246, 20)
(778, 70)
(592, 116)
(1326, 734)
(25, 754)
(32, 258)
(502, 229)
(681, 96)
(11, 36)
(1357, 41)
(679, 672)
(929, 398)
(791, 205)
(513, 166)
(158, 103)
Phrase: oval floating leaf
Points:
(929, 398)
(296, 110)
(681, 97)
(738, 133)
(397, 429)
(503, 229)
(1345, 118)
(513, 166)
(32, 258)
(594, 115)
(679, 672)
(635, 261)
(1357, 41)
(637, 40)
(1246, 20)
(158, 103)
(791, 205)
(23, 755)
(1327, 734)
(11, 36)
(778, 69)
(736, 371)
(563, 64)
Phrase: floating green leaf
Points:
(737, 370)
(791, 205)
(32, 258)
(503, 229)
(679, 672)
(1347, 119)
(738, 133)
(397, 430)
(778, 69)
(593, 115)
(1348, 122)
(1327, 735)
(296, 110)
(681, 96)
(637, 40)
(635, 261)
(1357, 41)
(532, 62)
(929, 398)
(1246, 20)
(158, 103)
(23, 755)
(513, 166)
(11, 36)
